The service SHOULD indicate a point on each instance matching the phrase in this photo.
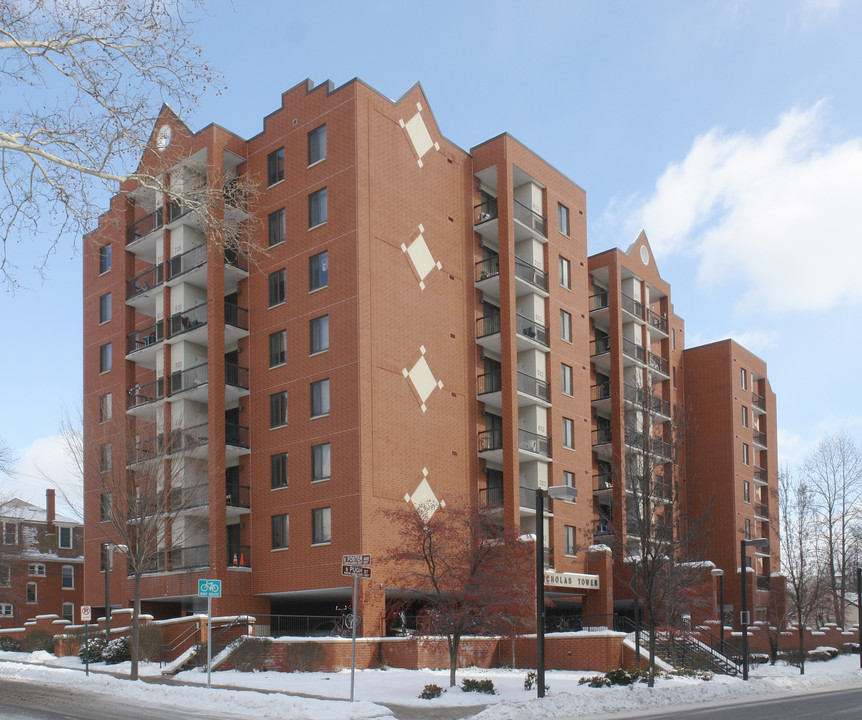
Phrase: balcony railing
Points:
(149, 335)
(144, 226)
(236, 376)
(531, 274)
(763, 582)
(491, 497)
(599, 301)
(659, 364)
(533, 387)
(603, 481)
(488, 325)
(527, 499)
(632, 306)
(491, 440)
(532, 220)
(602, 436)
(155, 564)
(758, 401)
(600, 346)
(761, 509)
(237, 495)
(236, 316)
(188, 260)
(532, 330)
(654, 445)
(657, 321)
(602, 528)
(185, 558)
(189, 378)
(654, 485)
(184, 439)
(533, 442)
(490, 383)
(600, 392)
(760, 474)
(638, 397)
(238, 555)
(634, 351)
(148, 279)
(236, 435)
(235, 258)
(144, 394)
(484, 212)
(186, 498)
(759, 437)
(176, 210)
(488, 268)
(190, 319)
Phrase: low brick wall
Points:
(831, 635)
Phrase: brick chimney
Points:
(51, 510)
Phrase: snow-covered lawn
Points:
(401, 687)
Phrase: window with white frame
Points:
(106, 461)
(565, 379)
(744, 416)
(6, 609)
(317, 145)
(563, 218)
(565, 326)
(36, 569)
(10, 533)
(570, 540)
(32, 593)
(67, 575)
(569, 433)
(746, 491)
(321, 525)
(568, 478)
(565, 273)
(320, 398)
(743, 378)
(320, 462)
(745, 457)
(65, 537)
(69, 612)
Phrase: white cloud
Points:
(776, 216)
(45, 464)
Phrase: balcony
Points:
(194, 497)
(189, 379)
(187, 262)
(634, 351)
(140, 396)
(659, 365)
(656, 322)
(485, 212)
(602, 530)
(760, 474)
(603, 482)
(490, 497)
(144, 226)
(192, 440)
(530, 444)
(633, 307)
(530, 278)
(187, 558)
(534, 443)
(237, 496)
(235, 323)
(141, 345)
(654, 445)
(658, 489)
(761, 510)
(155, 564)
(531, 221)
(487, 272)
(530, 334)
(236, 436)
(640, 399)
(599, 301)
(759, 439)
(527, 500)
(491, 440)
(600, 392)
(188, 320)
(140, 290)
(238, 555)
(758, 402)
(602, 442)
(533, 389)
(236, 381)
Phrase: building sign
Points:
(572, 580)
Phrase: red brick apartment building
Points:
(41, 562)
(419, 329)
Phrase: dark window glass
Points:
(278, 409)
(318, 271)
(276, 227)
(317, 208)
(276, 287)
(278, 348)
(105, 357)
(317, 145)
(275, 167)
(320, 398)
(278, 470)
(321, 527)
(319, 331)
(104, 259)
(105, 307)
(280, 531)
(320, 467)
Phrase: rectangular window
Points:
(277, 232)
(673, 339)
(563, 217)
(745, 458)
(565, 273)
(320, 398)
(317, 145)
(275, 167)
(106, 460)
(744, 416)
(105, 358)
(568, 433)
(568, 478)
(743, 378)
(565, 326)
(278, 348)
(320, 467)
(65, 534)
(10, 533)
(105, 408)
(321, 526)
(32, 593)
(319, 331)
(5, 576)
(317, 208)
(570, 540)
(280, 531)
(746, 491)
(104, 259)
(278, 409)
(104, 307)
(68, 577)
(106, 503)
(69, 612)
(6, 609)
(566, 379)
(674, 375)
(318, 271)
(36, 569)
(278, 471)
(277, 288)
(747, 529)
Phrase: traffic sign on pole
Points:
(86, 613)
(356, 559)
(209, 588)
(358, 571)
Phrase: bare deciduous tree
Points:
(7, 458)
(84, 81)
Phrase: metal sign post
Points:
(209, 589)
(355, 566)
(86, 616)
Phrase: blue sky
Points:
(728, 130)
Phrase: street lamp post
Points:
(109, 562)
(859, 610)
(719, 573)
(744, 619)
(637, 615)
(558, 492)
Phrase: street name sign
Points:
(359, 571)
(355, 559)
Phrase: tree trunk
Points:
(651, 678)
(453, 640)
(136, 634)
(801, 632)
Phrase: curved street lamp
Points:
(719, 573)
(744, 619)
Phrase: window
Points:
(570, 540)
(565, 273)
(5, 576)
(278, 348)
(673, 339)
(278, 409)
(69, 612)
(278, 471)
(65, 534)
(105, 358)
(36, 570)
(674, 375)
(280, 531)
(744, 416)
(10, 533)
(568, 433)
(277, 288)
(105, 408)
(104, 259)
(321, 526)
(104, 307)
(32, 593)
(743, 378)
(277, 232)
(566, 379)
(747, 529)
(318, 271)
(563, 217)
(565, 326)
(319, 332)
(106, 461)
(568, 478)
(745, 458)
(5, 609)
(320, 398)
(275, 167)
(67, 573)
(106, 507)
(317, 145)
(320, 468)
(317, 208)
(746, 491)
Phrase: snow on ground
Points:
(401, 687)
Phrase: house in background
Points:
(41, 562)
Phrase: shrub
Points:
(705, 675)
(758, 658)
(620, 677)
(91, 651)
(850, 648)
(251, 654)
(822, 653)
(482, 686)
(117, 651)
(595, 681)
(430, 692)
(9, 644)
(150, 640)
(531, 680)
(38, 640)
